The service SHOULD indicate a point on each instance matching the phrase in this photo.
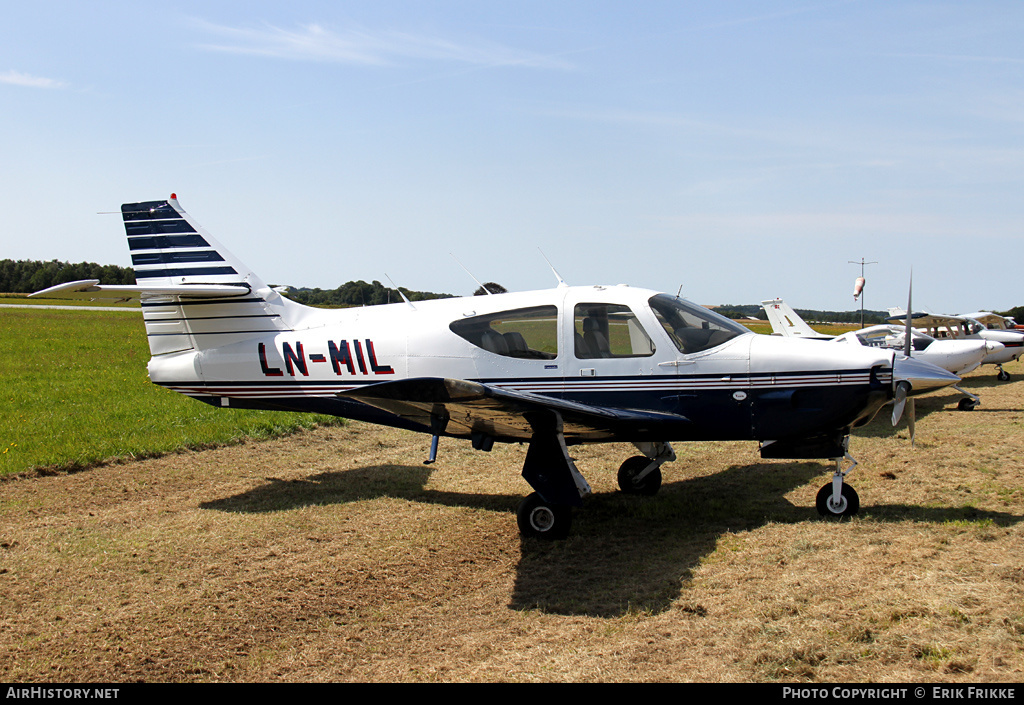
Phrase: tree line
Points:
(358, 293)
(26, 276)
(811, 316)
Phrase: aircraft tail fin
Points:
(786, 322)
(195, 294)
(169, 249)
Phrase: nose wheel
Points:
(635, 479)
(837, 500)
(847, 506)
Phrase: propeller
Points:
(903, 387)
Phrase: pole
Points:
(862, 263)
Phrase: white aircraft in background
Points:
(945, 327)
(956, 356)
(993, 321)
(552, 368)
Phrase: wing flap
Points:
(465, 408)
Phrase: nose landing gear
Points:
(837, 500)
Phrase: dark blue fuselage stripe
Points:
(192, 271)
(213, 318)
(271, 382)
(710, 376)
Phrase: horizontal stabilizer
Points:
(92, 290)
(464, 408)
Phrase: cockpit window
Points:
(530, 333)
(609, 330)
(693, 328)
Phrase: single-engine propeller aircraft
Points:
(946, 327)
(552, 368)
(956, 356)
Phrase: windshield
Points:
(693, 328)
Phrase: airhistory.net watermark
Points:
(61, 693)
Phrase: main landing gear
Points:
(837, 500)
(547, 512)
(1003, 375)
(543, 520)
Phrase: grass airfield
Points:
(333, 554)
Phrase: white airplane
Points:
(992, 321)
(945, 327)
(552, 368)
(956, 356)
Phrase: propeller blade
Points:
(910, 421)
(899, 401)
(908, 333)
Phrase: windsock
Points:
(858, 287)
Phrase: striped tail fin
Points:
(172, 253)
(169, 249)
(195, 294)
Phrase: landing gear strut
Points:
(547, 512)
(837, 500)
(1003, 375)
(559, 486)
(969, 402)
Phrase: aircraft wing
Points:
(988, 319)
(468, 408)
(92, 290)
(927, 320)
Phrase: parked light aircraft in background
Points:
(945, 327)
(551, 368)
(956, 356)
(993, 321)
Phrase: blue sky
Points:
(741, 150)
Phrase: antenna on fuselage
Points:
(399, 292)
(561, 282)
(470, 274)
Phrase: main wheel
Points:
(849, 503)
(966, 404)
(628, 472)
(1003, 376)
(540, 520)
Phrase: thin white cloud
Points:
(16, 78)
(313, 42)
(961, 58)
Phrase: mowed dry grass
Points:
(335, 555)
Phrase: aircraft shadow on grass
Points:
(942, 402)
(626, 553)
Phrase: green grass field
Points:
(74, 391)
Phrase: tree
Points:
(492, 287)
